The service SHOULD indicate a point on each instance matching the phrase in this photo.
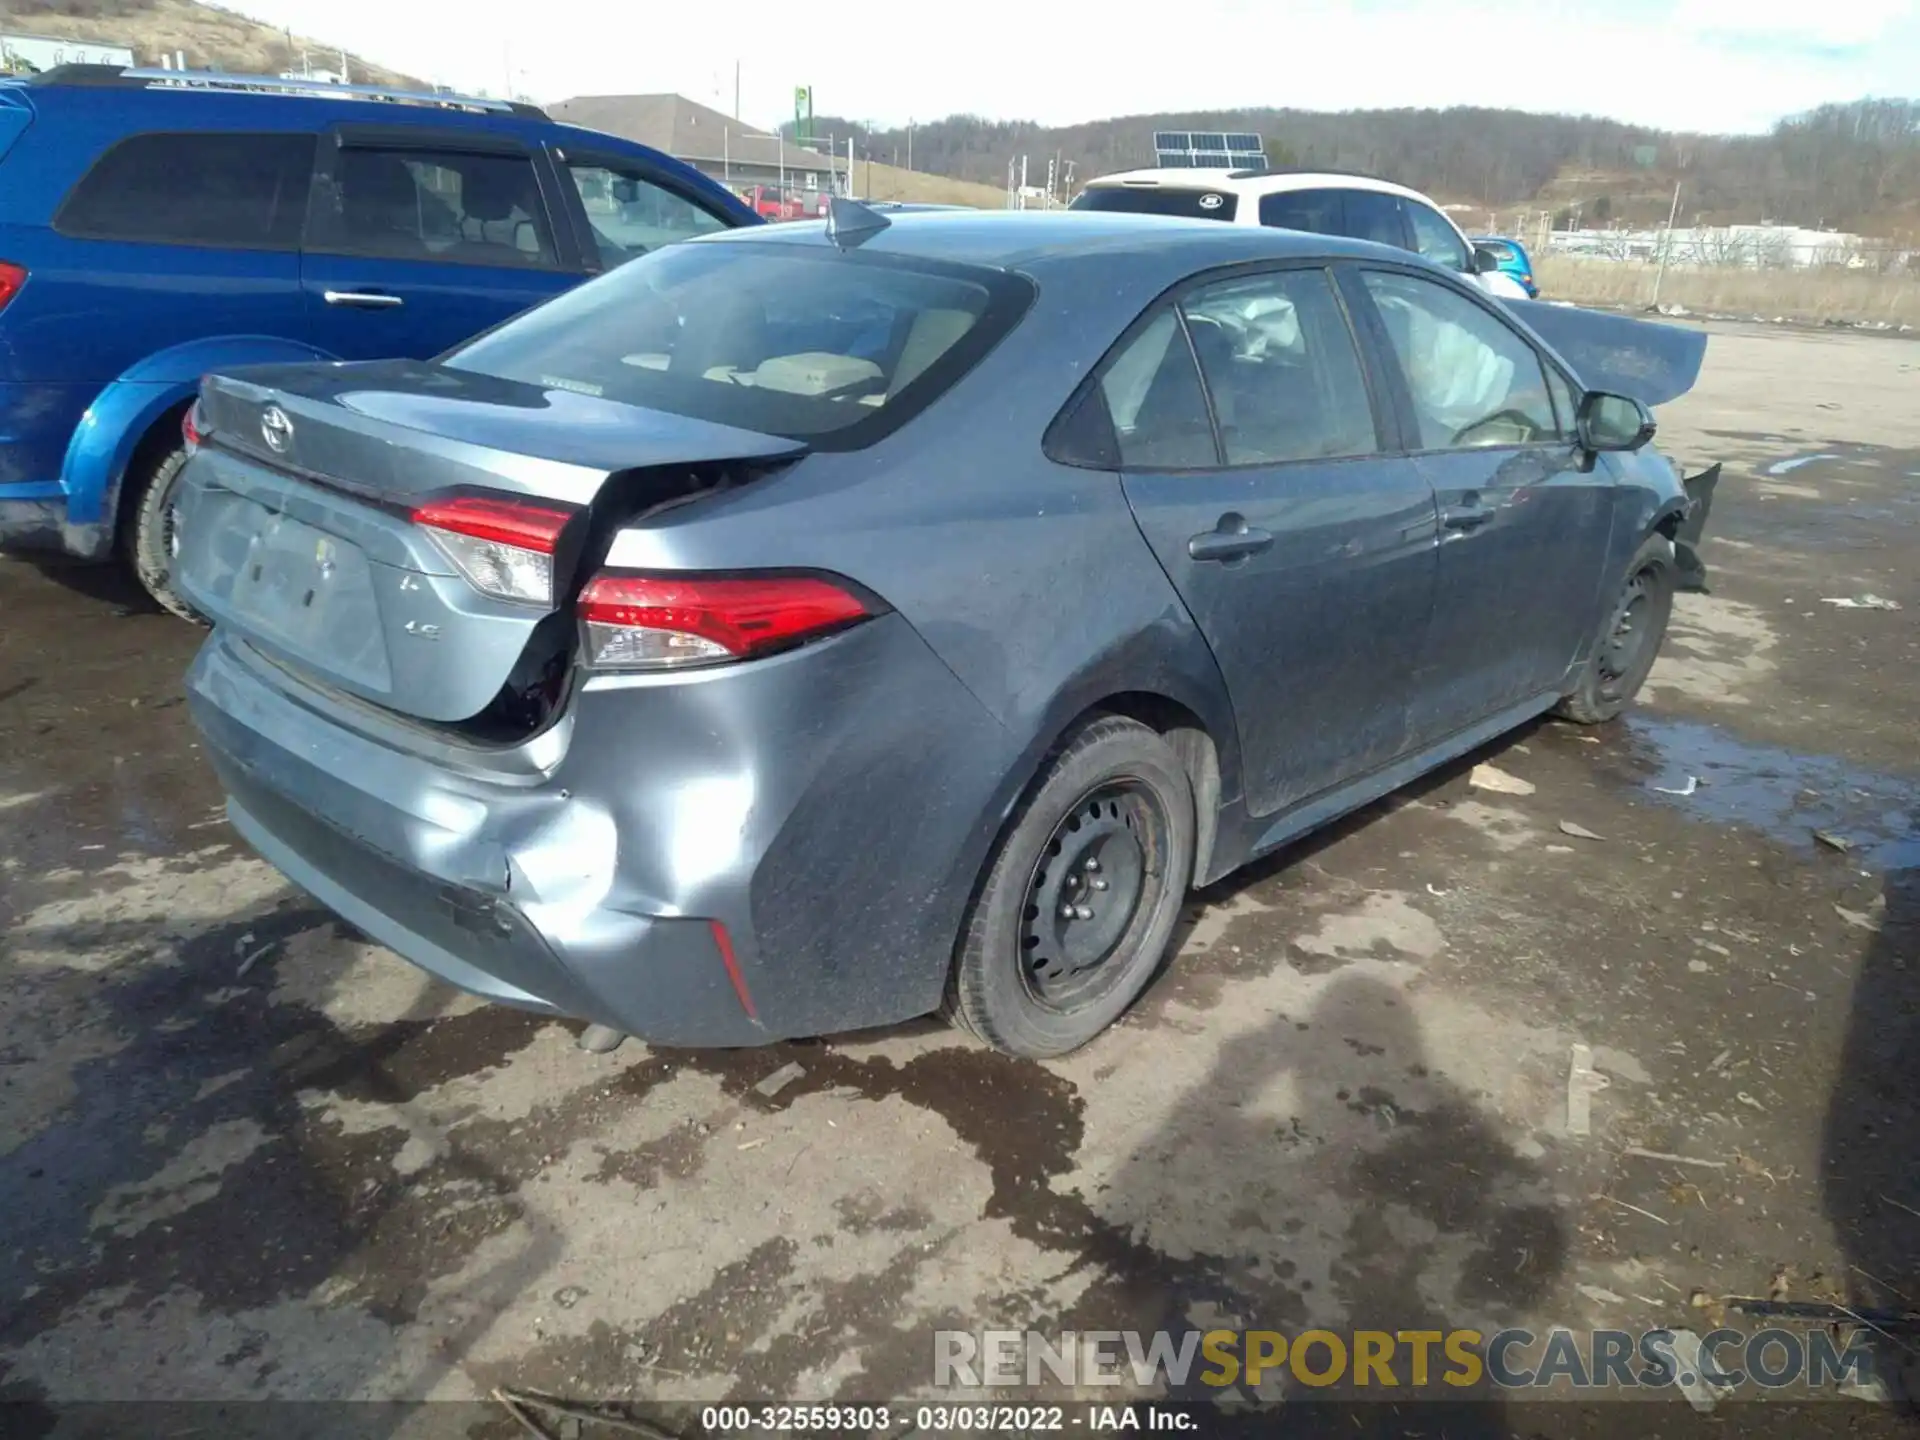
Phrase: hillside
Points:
(211, 38)
(1853, 166)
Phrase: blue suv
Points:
(159, 224)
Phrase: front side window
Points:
(243, 191)
(441, 206)
(1281, 367)
(1473, 381)
(788, 340)
(1155, 200)
(631, 214)
(1434, 238)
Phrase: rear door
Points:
(1302, 546)
(417, 239)
(1524, 522)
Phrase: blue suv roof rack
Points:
(148, 78)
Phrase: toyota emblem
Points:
(276, 429)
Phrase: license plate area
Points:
(312, 594)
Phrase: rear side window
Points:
(1315, 211)
(435, 205)
(242, 191)
(1281, 367)
(789, 340)
(1153, 396)
(1373, 216)
(1145, 200)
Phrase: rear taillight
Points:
(504, 548)
(12, 277)
(193, 427)
(665, 622)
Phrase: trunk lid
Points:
(295, 527)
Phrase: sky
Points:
(1706, 65)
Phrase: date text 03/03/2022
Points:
(937, 1419)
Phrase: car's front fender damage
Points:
(1654, 364)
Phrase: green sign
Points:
(803, 113)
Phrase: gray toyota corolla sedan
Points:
(815, 626)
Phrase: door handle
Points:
(1465, 517)
(363, 299)
(1234, 540)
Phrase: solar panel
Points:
(1208, 150)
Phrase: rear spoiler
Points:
(1646, 361)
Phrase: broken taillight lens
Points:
(193, 427)
(666, 622)
(12, 278)
(504, 548)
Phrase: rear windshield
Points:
(1142, 200)
(813, 344)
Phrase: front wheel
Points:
(154, 542)
(1081, 895)
(1629, 639)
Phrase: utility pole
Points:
(909, 142)
(1667, 247)
(736, 90)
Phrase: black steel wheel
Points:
(1630, 637)
(1083, 902)
(1081, 896)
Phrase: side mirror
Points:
(1485, 262)
(1613, 422)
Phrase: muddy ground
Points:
(1345, 1104)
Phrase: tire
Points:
(1631, 631)
(1115, 795)
(150, 539)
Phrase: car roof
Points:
(1032, 241)
(1243, 182)
(105, 96)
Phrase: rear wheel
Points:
(152, 541)
(1629, 639)
(1081, 896)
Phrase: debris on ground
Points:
(1780, 1288)
(1693, 784)
(1860, 602)
(1583, 1082)
(1872, 918)
(1673, 1159)
(1833, 841)
(780, 1079)
(1578, 832)
(1492, 777)
(1599, 1296)
(1686, 1350)
(251, 960)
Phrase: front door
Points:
(415, 244)
(1524, 521)
(1304, 554)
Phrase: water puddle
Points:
(1787, 467)
(1787, 794)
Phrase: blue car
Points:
(1512, 260)
(156, 225)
